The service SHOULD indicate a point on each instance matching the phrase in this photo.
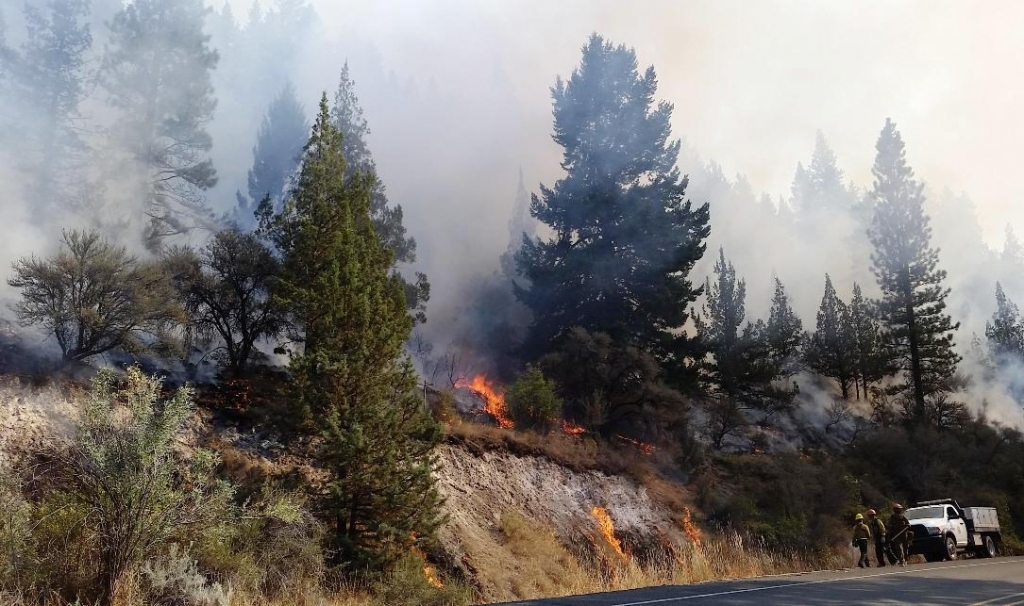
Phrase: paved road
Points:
(996, 582)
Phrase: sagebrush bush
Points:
(123, 470)
(174, 580)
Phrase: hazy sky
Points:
(751, 80)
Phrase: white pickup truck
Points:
(943, 529)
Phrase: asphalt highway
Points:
(995, 582)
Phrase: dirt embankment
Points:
(521, 524)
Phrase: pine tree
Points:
(351, 380)
(783, 333)
(870, 364)
(8, 59)
(275, 156)
(624, 238)
(50, 85)
(1013, 252)
(156, 72)
(719, 326)
(913, 304)
(521, 227)
(831, 350)
(1005, 331)
(387, 220)
(744, 364)
(825, 181)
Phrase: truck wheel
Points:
(989, 548)
(950, 553)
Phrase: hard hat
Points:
(859, 517)
(896, 507)
(872, 512)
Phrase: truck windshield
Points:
(918, 513)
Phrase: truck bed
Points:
(982, 519)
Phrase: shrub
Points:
(94, 297)
(122, 469)
(274, 547)
(407, 584)
(15, 530)
(532, 401)
(174, 580)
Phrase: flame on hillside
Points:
(429, 572)
(644, 447)
(572, 429)
(431, 576)
(691, 529)
(494, 400)
(604, 524)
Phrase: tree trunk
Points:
(915, 363)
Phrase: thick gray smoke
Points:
(456, 93)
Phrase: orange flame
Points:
(645, 448)
(604, 523)
(691, 529)
(494, 400)
(431, 576)
(572, 429)
(429, 572)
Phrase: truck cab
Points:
(943, 529)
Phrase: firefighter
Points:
(861, 536)
(899, 534)
(878, 534)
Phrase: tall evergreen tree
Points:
(870, 356)
(831, 350)
(624, 238)
(913, 304)
(7, 62)
(275, 156)
(387, 220)
(50, 84)
(720, 326)
(825, 180)
(783, 332)
(521, 226)
(1005, 331)
(351, 379)
(156, 72)
(1013, 252)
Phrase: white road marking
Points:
(819, 582)
(1002, 597)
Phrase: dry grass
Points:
(534, 564)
